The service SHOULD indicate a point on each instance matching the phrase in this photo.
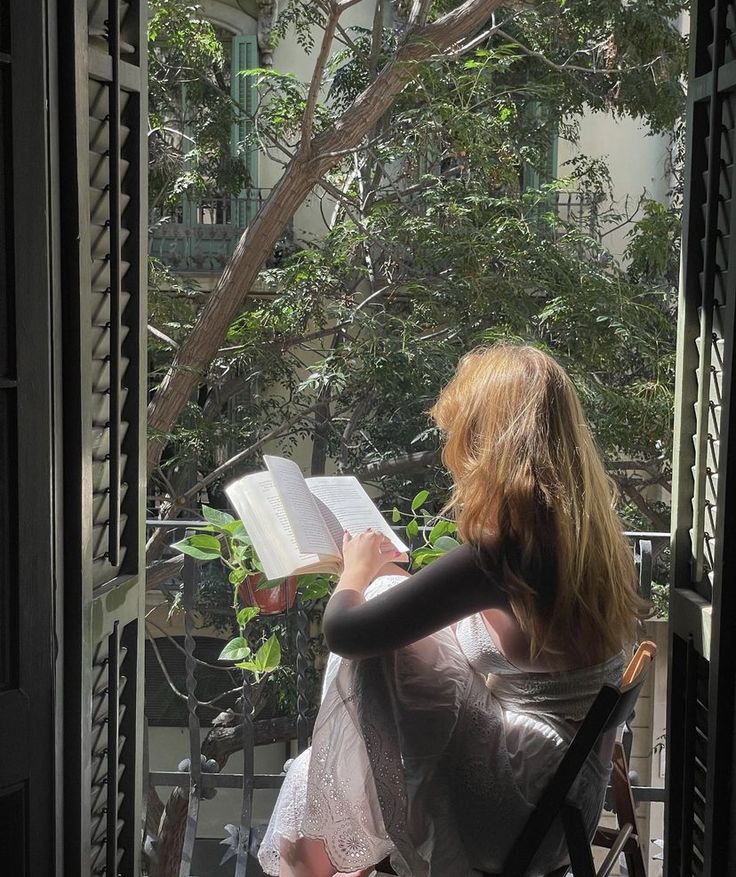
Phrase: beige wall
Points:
(289, 57)
(638, 162)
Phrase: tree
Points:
(431, 241)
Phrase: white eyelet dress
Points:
(435, 755)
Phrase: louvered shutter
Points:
(104, 274)
(701, 697)
(244, 93)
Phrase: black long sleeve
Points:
(453, 587)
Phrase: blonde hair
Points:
(530, 487)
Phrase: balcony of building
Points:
(197, 235)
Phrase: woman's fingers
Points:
(369, 540)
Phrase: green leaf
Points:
(423, 556)
(185, 547)
(235, 650)
(205, 542)
(249, 665)
(412, 529)
(246, 614)
(237, 576)
(268, 657)
(439, 529)
(395, 515)
(446, 543)
(419, 500)
(237, 530)
(314, 587)
(216, 517)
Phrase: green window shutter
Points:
(536, 177)
(243, 91)
(190, 215)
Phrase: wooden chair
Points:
(612, 706)
(626, 839)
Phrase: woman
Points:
(467, 680)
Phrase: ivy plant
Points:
(224, 538)
(430, 535)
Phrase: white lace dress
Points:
(435, 754)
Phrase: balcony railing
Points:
(200, 775)
(198, 236)
(579, 210)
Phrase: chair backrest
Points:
(633, 679)
(611, 707)
(643, 656)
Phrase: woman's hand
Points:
(363, 557)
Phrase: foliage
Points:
(224, 538)
(191, 112)
(661, 599)
(654, 246)
(445, 229)
(430, 535)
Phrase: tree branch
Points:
(418, 14)
(376, 33)
(223, 304)
(162, 336)
(659, 522)
(163, 570)
(316, 83)
(403, 465)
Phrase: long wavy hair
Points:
(531, 493)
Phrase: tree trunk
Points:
(223, 304)
(320, 437)
(313, 160)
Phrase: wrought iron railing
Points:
(578, 210)
(198, 235)
(203, 776)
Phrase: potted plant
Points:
(223, 538)
(271, 597)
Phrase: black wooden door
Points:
(104, 242)
(28, 519)
(72, 391)
(700, 839)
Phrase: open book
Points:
(297, 524)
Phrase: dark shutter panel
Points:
(28, 581)
(700, 768)
(104, 166)
(114, 838)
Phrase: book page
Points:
(258, 504)
(345, 505)
(311, 532)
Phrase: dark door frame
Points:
(29, 726)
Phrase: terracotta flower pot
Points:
(270, 601)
